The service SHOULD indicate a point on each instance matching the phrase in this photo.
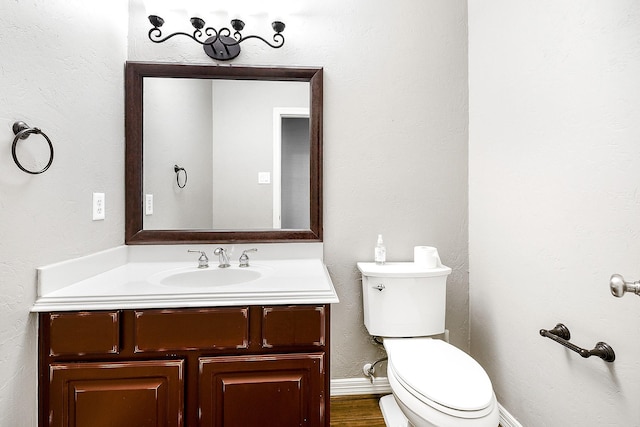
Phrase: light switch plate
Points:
(264, 177)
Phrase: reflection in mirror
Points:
(243, 144)
(222, 153)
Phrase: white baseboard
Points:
(506, 419)
(355, 386)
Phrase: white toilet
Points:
(433, 383)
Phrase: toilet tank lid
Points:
(440, 372)
(401, 269)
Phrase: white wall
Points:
(395, 148)
(61, 70)
(553, 180)
(395, 137)
(554, 204)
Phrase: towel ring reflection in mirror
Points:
(177, 169)
(22, 131)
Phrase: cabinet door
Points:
(262, 391)
(110, 394)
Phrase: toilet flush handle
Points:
(379, 287)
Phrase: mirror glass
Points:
(236, 153)
(222, 153)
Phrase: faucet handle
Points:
(244, 258)
(203, 261)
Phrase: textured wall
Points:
(395, 148)
(395, 137)
(554, 206)
(61, 70)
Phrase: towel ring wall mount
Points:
(22, 131)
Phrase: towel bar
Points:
(561, 335)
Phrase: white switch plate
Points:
(264, 177)
(148, 204)
(98, 206)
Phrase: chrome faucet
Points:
(223, 258)
(244, 258)
(203, 261)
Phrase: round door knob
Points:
(619, 287)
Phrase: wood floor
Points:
(356, 411)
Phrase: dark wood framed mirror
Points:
(140, 165)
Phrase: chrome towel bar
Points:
(561, 335)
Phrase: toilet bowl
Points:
(434, 384)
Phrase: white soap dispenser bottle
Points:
(380, 255)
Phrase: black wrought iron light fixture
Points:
(218, 44)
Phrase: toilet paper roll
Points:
(426, 256)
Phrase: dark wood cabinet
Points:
(141, 394)
(219, 367)
(268, 390)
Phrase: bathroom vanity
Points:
(228, 366)
(139, 335)
(146, 351)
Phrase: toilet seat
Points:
(441, 376)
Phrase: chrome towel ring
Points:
(22, 131)
(177, 170)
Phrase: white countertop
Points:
(126, 277)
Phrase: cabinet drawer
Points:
(80, 333)
(202, 329)
(287, 326)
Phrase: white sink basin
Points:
(206, 277)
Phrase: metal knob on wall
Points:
(22, 131)
(619, 286)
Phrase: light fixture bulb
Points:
(156, 21)
(198, 23)
(278, 26)
(237, 24)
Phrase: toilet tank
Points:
(404, 299)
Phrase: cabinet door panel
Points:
(141, 394)
(262, 391)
